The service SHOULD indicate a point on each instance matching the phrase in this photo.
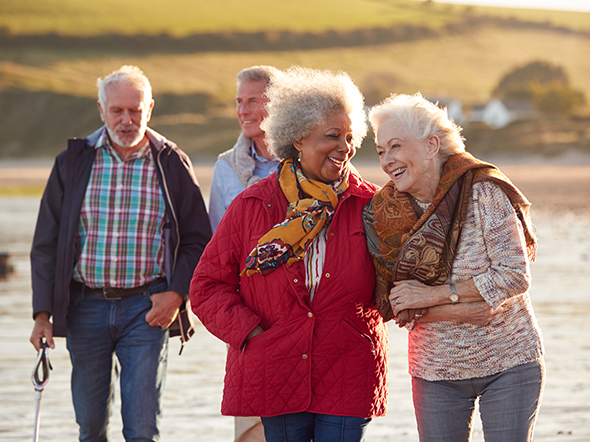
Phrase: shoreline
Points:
(555, 184)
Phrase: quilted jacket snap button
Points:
(295, 280)
(327, 275)
(310, 314)
(304, 356)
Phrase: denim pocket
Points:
(75, 298)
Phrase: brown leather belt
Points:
(113, 293)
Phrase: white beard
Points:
(127, 141)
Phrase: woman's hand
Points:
(406, 316)
(407, 295)
(411, 295)
(256, 331)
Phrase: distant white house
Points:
(497, 113)
(454, 108)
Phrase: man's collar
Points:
(255, 155)
(104, 141)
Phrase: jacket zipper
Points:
(172, 211)
(365, 336)
(165, 185)
(368, 338)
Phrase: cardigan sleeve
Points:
(503, 240)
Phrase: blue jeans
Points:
(98, 329)
(305, 427)
(508, 404)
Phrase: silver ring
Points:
(417, 315)
(397, 301)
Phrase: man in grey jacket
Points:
(250, 159)
(246, 163)
(121, 227)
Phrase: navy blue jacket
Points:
(54, 252)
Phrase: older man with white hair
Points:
(121, 227)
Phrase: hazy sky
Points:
(565, 5)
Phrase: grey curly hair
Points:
(301, 99)
(419, 118)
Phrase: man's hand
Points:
(42, 329)
(164, 309)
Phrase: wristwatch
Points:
(454, 296)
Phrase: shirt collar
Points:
(257, 157)
(103, 141)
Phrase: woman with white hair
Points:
(287, 280)
(451, 240)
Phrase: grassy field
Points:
(465, 66)
(184, 17)
(54, 88)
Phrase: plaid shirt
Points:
(121, 221)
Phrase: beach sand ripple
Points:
(560, 294)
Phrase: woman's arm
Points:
(215, 287)
(478, 313)
(495, 232)
(414, 295)
(502, 240)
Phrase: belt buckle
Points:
(107, 293)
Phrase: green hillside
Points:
(184, 17)
(52, 52)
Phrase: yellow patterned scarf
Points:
(408, 244)
(311, 207)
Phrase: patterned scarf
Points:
(408, 244)
(311, 207)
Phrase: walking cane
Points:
(40, 380)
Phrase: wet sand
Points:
(560, 193)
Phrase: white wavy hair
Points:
(301, 99)
(125, 74)
(416, 116)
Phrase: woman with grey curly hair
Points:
(305, 98)
(287, 280)
(451, 239)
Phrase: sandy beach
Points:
(559, 189)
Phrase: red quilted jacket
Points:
(328, 356)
